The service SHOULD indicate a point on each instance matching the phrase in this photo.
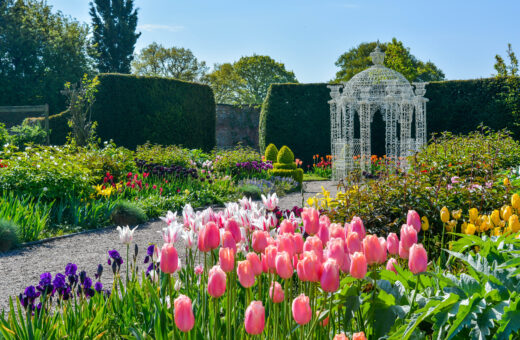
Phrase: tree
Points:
(398, 58)
(509, 75)
(39, 52)
(174, 62)
(247, 80)
(114, 24)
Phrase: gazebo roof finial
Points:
(378, 57)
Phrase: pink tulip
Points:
(286, 227)
(246, 276)
(359, 336)
(356, 225)
(211, 236)
(336, 250)
(228, 241)
(323, 233)
(255, 318)
(373, 250)
(226, 259)
(216, 282)
(408, 236)
(340, 336)
(345, 266)
(358, 265)
(392, 244)
(384, 253)
(201, 243)
(354, 243)
(418, 261)
(298, 243)
(286, 243)
(284, 265)
(270, 254)
(311, 220)
(184, 318)
(276, 292)
(330, 276)
(337, 231)
(301, 310)
(169, 259)
(325, 321)
(390, 265)
(325, 220)
(313, 243)
(403, 252)
(232, 226)
(308, 267)
(256, 264)
(414, 220)
(259, 241)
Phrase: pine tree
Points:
(114, 34)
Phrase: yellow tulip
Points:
(451, 225)
(497, 231)
(495, 217)
(456, 214)
(486, 224)
(425, 223)
(508, 211)
(473, 214)
(470, 229)
(514, 224)
(506, 182)
(515, 201)
(463, 227)
(445, 215)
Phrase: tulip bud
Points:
(356, 225)
(340, 336)
(308, 267)
(286, 227)
(246, 276)
(373, 250)
(515, 201)
(301, 310)
(425, 223)
(354, 243)
(284, 265)
(256, 263)
(392, 243)
(323, 233)
(298, 243)
(226, 259)
(216, 282)
(228, 241)
(473, 214)
(390, 265)
(414, 220)
(330, 276)
(254, 321)
(285, 243)
(311, 220)
(336, 250)
(232, 226)
(445, 215)
(184, 318)
(270, 254)
(259, 241)
(418, 261)
(359, 336)
(276, 292)
(408, 236)
(336, 231)
(313, 243)
(169, 259)
(358, 265)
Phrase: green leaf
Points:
(464, 316)
(510, 322)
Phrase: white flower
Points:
(178, 285)
(126, 235)
(45, 189)
(190, 238)
(270, 202)
(170, 217)
(246, 203)
(187, 215)
(171, 232)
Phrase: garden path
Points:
(23, 266)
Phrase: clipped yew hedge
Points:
(297, 115)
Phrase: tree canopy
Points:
(173, 62)
(509, 74)
(40, 50)
(397, 58)
(247, 80)
(114, 24)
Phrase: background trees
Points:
(114, 24)
(398, 58)
(173, 62)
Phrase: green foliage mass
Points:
(114, 25)
(127, 213)
(41, 50)
(23, 134)
(271, 153)
(397, 58)
(285, 155)
(8, 235)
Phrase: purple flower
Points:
(98, 287)
(150, 250)
(71, 269)
(87, 283)
(45, 285)
(59, 282)
(99, 272)
(31, 293)
(114, 255)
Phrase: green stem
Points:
(441, 258)
(330, 315)
(361, 321)
(127, 250)
(414, 295)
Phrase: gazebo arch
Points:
(377, 88)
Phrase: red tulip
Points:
(256, 264)
(276, 292)
(184, 318)
(414, 220)
(226, 259)
(255, 318)
(418, 261)
(301, 310)
(169, 259)
(259, 241)
(358, 265)
(216, 282)
(246, 276)
(284, 265)
(330, 276)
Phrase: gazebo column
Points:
(366, 149)
(406, 127)
(420, 118)
(336, 132)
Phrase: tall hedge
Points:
(298, 115)
(132, 110)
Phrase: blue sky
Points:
(459, 36)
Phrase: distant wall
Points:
(237, 124)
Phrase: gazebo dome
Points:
(377, 82)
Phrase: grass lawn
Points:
(312, 177)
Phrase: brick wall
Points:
(237, 124)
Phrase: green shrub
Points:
(58, 126)
(4, 135)
(225, 161)
(168, 155)
(128, 213)
(298, 175)
(286, 166)
(250, 190)
(8, 235)
(271, 153)
(27, 134)
(285, 155)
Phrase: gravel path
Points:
(22, 267)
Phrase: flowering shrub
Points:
(246, 273)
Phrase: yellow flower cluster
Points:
(106, 191)
(323, 200)
(497, 223)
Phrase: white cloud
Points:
(152, 27)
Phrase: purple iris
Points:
(114, 255)
(150, 250)
(71, 269)
(98, 287)
(59, 282)
(28, 297)
(99, 272)
(45, 285)
(87, 283)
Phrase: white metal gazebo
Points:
(377, 88)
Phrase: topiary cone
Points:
(285, 155)
(271, 152)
